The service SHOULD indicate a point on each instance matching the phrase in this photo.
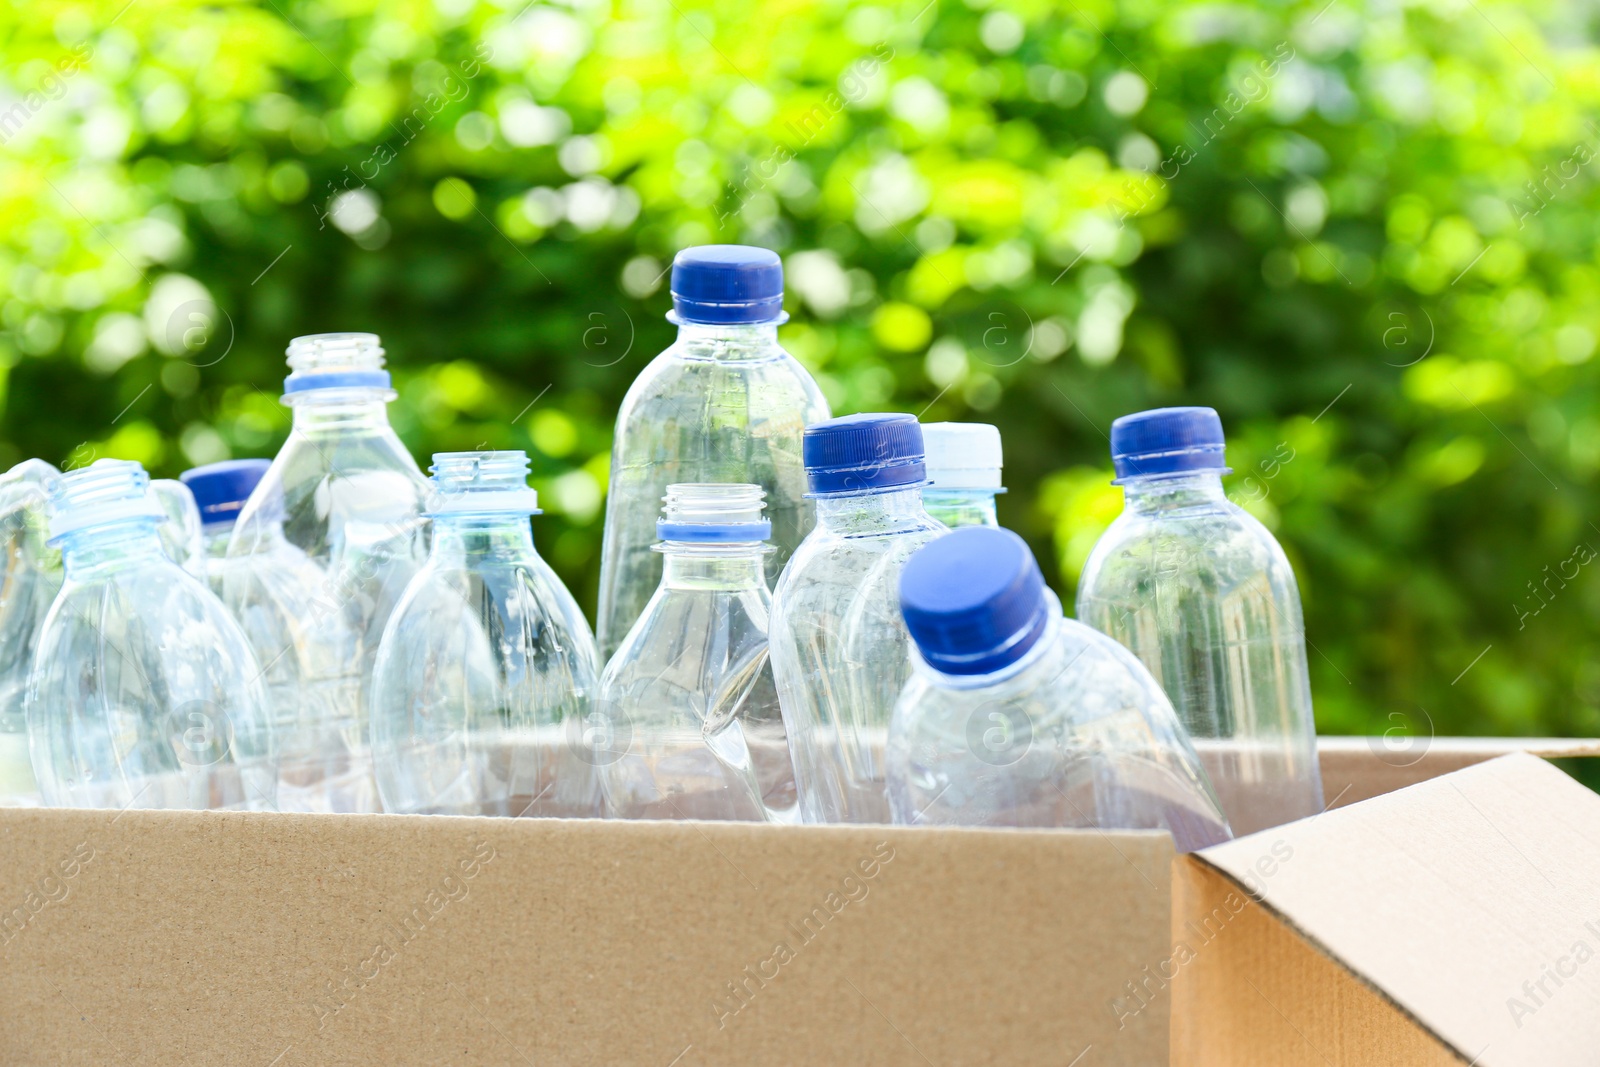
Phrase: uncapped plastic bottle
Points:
(964, 463)
(1016, 716)
(724, 403)
(144, 692)
(28, 585)
(346, 493)
(180, 529)
(220, 491)
(689, 695)
(487, 667)
(840, 651)
(1205, 597)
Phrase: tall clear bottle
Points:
(691, 713)
(840, 650)
(346, 493)
(1016, 716)
(1202, 593)
(724, 404)
(964, 461)
(144, 692)
(487, 667)
(220, 491)
(28, 585)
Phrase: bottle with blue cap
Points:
(963, 460)
(486, 671)
(220, 491)
(840, 650)
(725, 403)
(30, 576)
(688, 724)
(1016, 716)
(1203, 594)
(144, 691)
(343, 490)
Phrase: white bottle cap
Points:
(962, 455)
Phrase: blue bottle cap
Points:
(867, 453)
(726, 284)
(974, 600)
(1167, 441)
(220, 489)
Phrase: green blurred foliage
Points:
(1366, 234)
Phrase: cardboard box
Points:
(275, 940)
(1456, 921)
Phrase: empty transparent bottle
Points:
(1204, 596)
(220, 491)
(487, 666)
(688, 698)
(28, 585)
(1016, 716)
(347, 494)
(724, 404)
(840, 651)
(180, 529)
(963, 472)
(144, 692)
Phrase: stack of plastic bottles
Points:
(801, 618)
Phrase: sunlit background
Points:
(1365, 234)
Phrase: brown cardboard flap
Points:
(1468, 905)
(1359, 768)
(264, 939)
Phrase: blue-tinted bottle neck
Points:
(1165, 492)
(91, 548)
(713, 567)
(728, 342)
(341, 410)
(504, 536)
(894, 511)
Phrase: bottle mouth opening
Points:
(106, 491)
(484, 483)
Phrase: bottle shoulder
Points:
(1221, 545)
(675, 380)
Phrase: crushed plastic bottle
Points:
(346, 493)
(487, 666)
(964, 461)
(1016, 716)
(724, 403)
(28, 585)
(689, 696)
(1202, 593)
(144, 692)
(840, 650)
(220, 491)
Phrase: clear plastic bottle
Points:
(180, 529)
(964, 461)
(688, 698)
(487, 665)
(144, 692)
(220, 491)
(28, 585)
(1204, 596)
(840, 651)
(1016, 716)
(724, 404)
(343, 490)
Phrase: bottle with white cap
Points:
(344, 490)
(487, 666)
(1016, 716)
(840, 651)
(1202, 593)
(688, 724)
(30, 576)
(963, 472)
(144, 692)
(725, 403)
